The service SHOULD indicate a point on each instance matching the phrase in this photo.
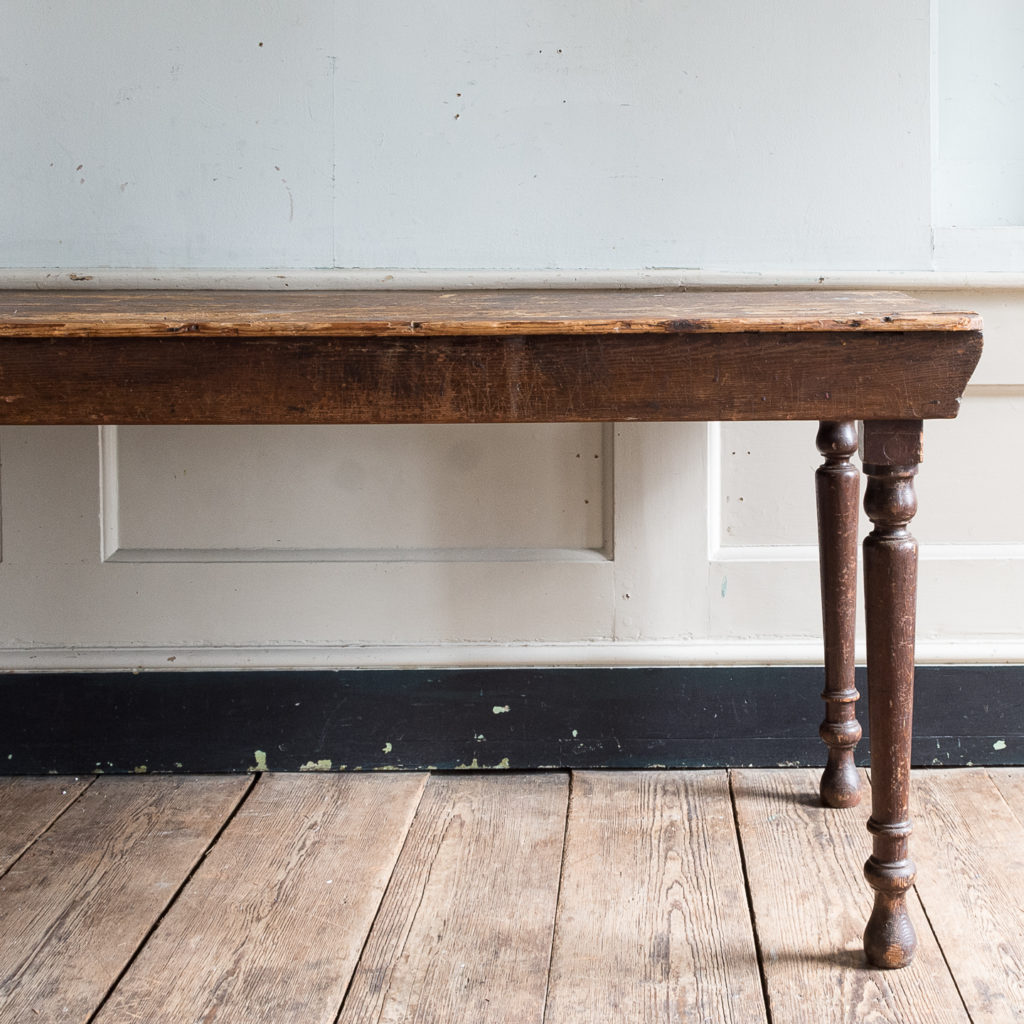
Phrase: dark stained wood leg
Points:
(837, 484)
(890, 452)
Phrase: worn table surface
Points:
(377, 313)
(478, 356)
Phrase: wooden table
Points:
(557, 356)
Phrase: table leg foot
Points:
(840, 780)
(837, 487)
(890, 452)
(889, 938)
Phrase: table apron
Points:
(199, 378)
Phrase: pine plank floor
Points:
(553, 897)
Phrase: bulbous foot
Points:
(840, 781)
(889, 938)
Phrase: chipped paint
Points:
(575, 733)
(479, 737)
(474, 765)
(140, 769)
(261, 761)
(387, 748)
(501, 709)
(999, 745)
(323, 765)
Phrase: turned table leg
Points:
(837, 486)
(890, 452)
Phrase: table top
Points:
(410, 313)
(151, 357)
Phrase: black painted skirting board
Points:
(468, 718)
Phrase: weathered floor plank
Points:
(652, 920)
(464, 933)
(810, 901)
(1010, 782)
(76, 906)
(269, 929)
(28, 806)
(969, 846)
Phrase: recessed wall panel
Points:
(766, 492)
(336, 491)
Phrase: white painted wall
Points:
(469, 134)
(632, 141)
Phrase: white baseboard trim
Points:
(584, 655)
(411, 278)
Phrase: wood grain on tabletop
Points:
(44, 313)
(271, 926)
(76, 907)
(464, 932)
(811, 902)
(652, 919)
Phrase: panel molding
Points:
(111, 549)
(87, 278)
(597, 654)
(795, 553)
(720, 553)
(386, 555)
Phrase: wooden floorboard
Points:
(652, 919)
(1010, 782)
(28, 806)
(76, 906)
(270, 928)
(464, 933)
(969, 846)
(811, 902)
(407, 900)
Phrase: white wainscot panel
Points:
(766, 486)
(353, 493)
(61, 599)
(762, 532)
